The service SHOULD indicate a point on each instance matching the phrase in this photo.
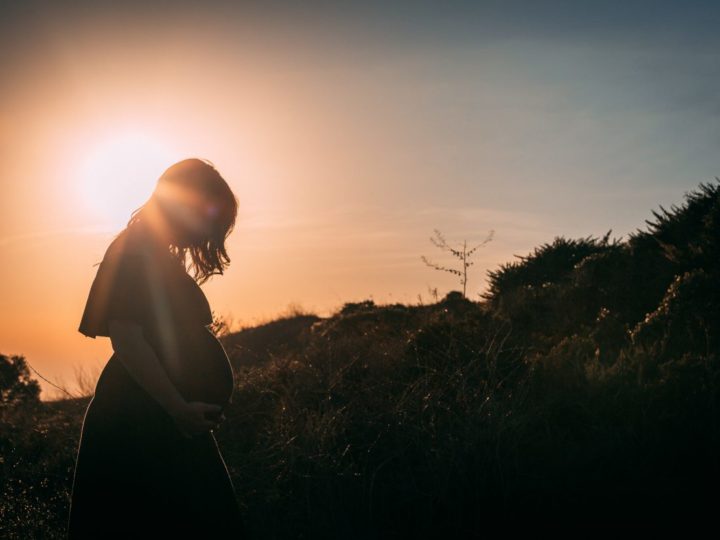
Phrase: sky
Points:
(349, 131)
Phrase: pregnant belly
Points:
(200, 367)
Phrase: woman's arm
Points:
(141, 361)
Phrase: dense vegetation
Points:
(582, 385)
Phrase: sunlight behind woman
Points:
(118, 173)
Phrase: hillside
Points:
(584, 385)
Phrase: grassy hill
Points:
(583, 386)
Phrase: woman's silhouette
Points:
(148, 464)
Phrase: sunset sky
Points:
(348, 131)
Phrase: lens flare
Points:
(118, 174)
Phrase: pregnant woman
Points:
(148, 464)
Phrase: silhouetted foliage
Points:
(351, 307)
(17, 387)
(584, 386)
(687, 320)
(462, 253)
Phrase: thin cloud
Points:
(41, 235)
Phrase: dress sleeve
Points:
(120, 290)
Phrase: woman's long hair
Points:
(208, 256)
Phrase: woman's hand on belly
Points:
(191, 419)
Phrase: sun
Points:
(118, 173)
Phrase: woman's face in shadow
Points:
(192, 212)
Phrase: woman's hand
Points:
(191, 420)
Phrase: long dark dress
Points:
(136, 475)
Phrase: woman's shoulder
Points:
(131, 241)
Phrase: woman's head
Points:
(193, 208)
